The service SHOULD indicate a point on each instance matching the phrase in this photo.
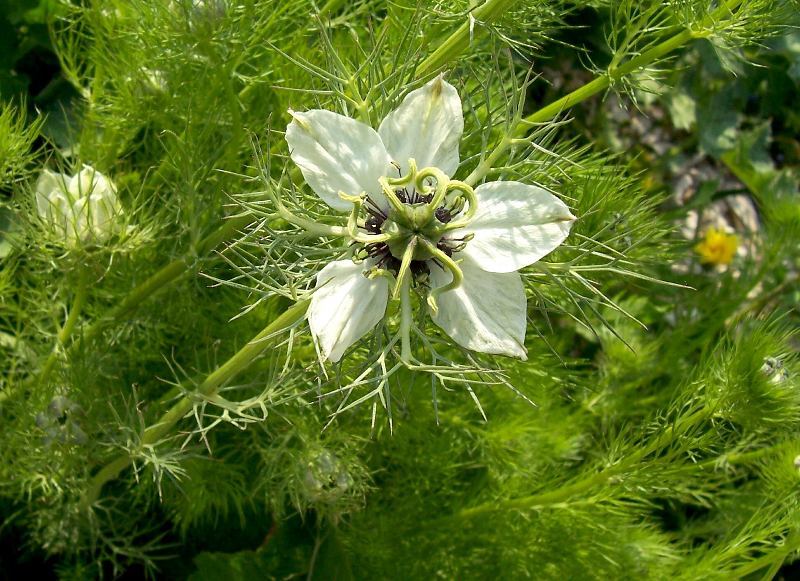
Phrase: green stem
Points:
(406, 315)
(564, 493)
(330, 6)
(603, 82)
(636, 63)
(597, 85)
(485, 166)
(457, 42)
(66, 331)
(168, 274)
(152, 285)
(238, 362)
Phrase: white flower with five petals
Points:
(78, 209)
(418, 226)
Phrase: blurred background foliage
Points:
(665, 451)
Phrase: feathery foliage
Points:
(165, 410)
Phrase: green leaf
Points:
(682, 109)
(730, 58)
(62, 124)
(717, 124)
(790, 46)
(751, 163)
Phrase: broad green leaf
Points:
(683, 109)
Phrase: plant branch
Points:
(567, 491)
(460, 40)
(598, 85)
(66, 331)
(238, 362)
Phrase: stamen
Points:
(373, 209)
(373, 224)
(352, 221)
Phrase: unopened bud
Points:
(81, 209)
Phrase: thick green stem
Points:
(238, 362)
(406, 316)
(601, 83)
(66, 331)
(597, 85)
(330, 6)
(460, 40)
(167, 275)
(636, 63)
(158, 281)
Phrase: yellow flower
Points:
(718, 247)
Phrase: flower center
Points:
(424, 208)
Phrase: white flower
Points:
(81, 209)
(417, 225)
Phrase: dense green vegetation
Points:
(169, 406)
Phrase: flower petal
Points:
(80, 225)
(336, 153)
(82, 183)
(56, 211)
(516, 225)
(89, 181)
(345, 306)
(487, 313)
(96, 216)
(427, 126)
(48, 183)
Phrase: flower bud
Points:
(326, 479)
(82, 209)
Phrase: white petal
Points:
(336, 153)
(97, 215)
(48, 183)
(427, 126)
(89, 181)
(104, 186)
(345, 306)
(516, 225)
(487, 313)
(79, 227)
(82, 183)
(56, 211)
